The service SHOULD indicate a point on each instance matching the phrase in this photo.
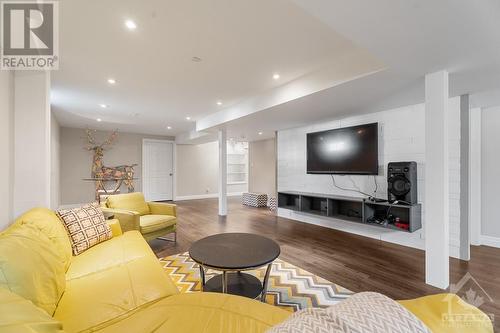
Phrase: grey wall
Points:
(490, 162)
(76, 161)
(262, 167)
(197, 169)
(6, 146)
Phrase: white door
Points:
(157, 169)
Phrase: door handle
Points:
(171, 174)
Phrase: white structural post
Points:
(437, 267)
(475, 176)
(464, 177)
(222, 173)
(32, 153)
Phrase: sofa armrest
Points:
(116, 229)
(160, 208)
(129, 220)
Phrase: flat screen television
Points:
(348, 150)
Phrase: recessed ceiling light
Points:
(130, 25)
(219, 103)
(111, 81)
(99, 120)
(169, 127)
(260, 133)
(104, 106)
(276, 76)
(188, 118)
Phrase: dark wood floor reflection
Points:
(355, 262)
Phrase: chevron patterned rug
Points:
(290, 287)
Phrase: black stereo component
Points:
(402, 182)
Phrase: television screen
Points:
(349, 150)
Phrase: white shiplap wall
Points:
(401, 138)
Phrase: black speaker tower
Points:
(402, 182)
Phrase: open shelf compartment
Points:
(347, 210)
(409, 215)
(289, 201)
(314, 205)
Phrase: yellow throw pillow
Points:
(30, 267)
(86, 226)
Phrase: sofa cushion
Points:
(30, 267)
(114, 252)
(151, 223)
(47, 222)
(20, 316)
(130, 201)
(201, 312)
(445, 313)
(105, 294)
(86, 226)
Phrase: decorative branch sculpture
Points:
(100, 172)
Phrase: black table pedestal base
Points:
(238, 283)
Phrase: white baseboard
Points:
(490, 241)
(205, 196)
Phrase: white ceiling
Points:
(412, 38)
(243, 42)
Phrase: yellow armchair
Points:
(151, 219)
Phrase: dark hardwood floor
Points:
(354, 262)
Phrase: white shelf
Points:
(237, 164)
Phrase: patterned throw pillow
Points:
(86, 226)
(310, 320)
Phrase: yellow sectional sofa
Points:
(115, 286)
(119, 286)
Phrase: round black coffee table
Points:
(233, 253)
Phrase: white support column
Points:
(222, 173)
(464, 177)
(6, 146)
(437, 270)
(475, 176)
(32, 153)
